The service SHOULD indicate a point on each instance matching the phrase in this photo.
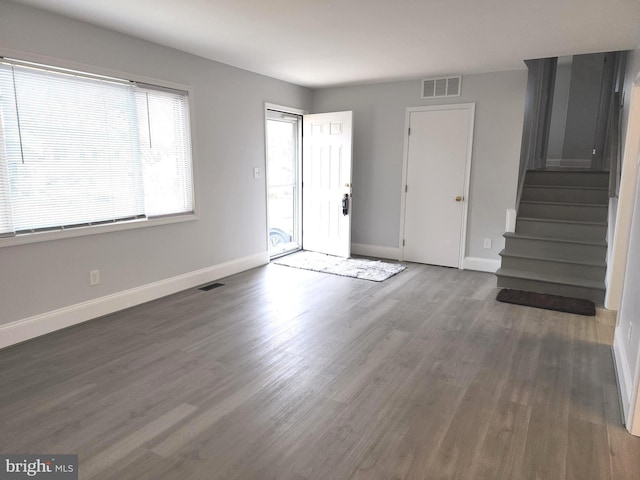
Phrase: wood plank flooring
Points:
(290, 374)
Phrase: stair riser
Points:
(568, 195)
(595, 295)
(561, 230)
(574, 179)
(587, 272)
(548, 249)
(564, 212)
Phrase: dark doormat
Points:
(547, 302)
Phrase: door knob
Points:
(458, 198)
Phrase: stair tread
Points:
(568, 187)
(551, 278)
(591, 263)
(553, 239)
(570, 204)
(557, 220)
(568, 170)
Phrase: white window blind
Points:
(78, 150)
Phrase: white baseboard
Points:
(27, 328)
(623, 373)
(510, 222)
(375, 251)
(489, 265)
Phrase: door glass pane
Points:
(282, 182)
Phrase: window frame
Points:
(84, 230)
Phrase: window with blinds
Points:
(78, 150)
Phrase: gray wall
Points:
(584, 101)
(559, 111)
(379, 129)
(630, 306)
(629, 313)
(633, 68)
(228, 140)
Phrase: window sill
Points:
(93, 230)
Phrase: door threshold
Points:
(284, 254)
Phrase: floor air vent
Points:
(211, 286)
(441, 87)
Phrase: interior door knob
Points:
(458, 198)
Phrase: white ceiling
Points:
(333, 42)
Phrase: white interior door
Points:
(437, 169)
(326, 179)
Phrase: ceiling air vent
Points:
(441, 87)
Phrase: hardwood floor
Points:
(291, 374)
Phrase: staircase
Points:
(559, 246)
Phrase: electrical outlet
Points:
(94, 278)
(257, 172)
(487, 243)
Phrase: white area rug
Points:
(374, 270)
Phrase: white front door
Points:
(437, 169)
(326, 183)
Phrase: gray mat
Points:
(547, 302)
(373, 270)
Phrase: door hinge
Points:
(409, 132)
(403, 242)
(406, 188)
